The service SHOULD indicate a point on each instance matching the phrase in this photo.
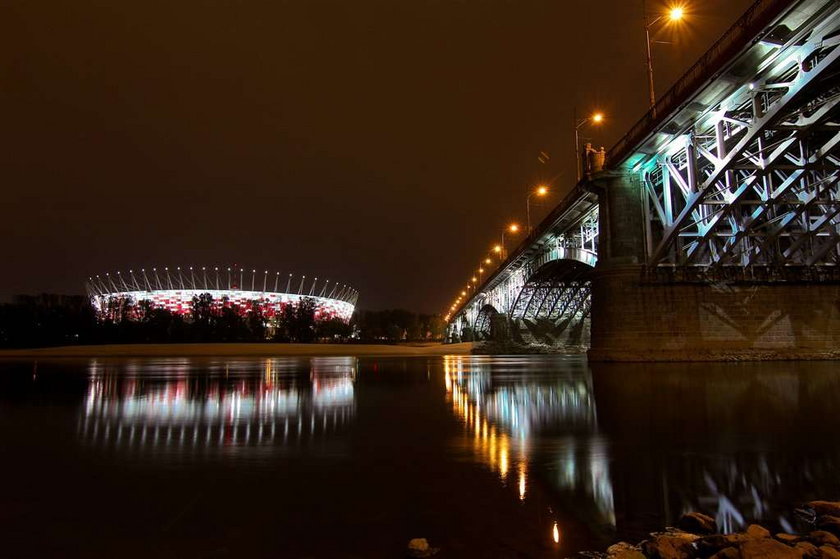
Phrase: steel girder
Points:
(554, 300)
(755, 179)
(483, 321)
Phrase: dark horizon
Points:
(381, 145)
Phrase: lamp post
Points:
(539, 191)
(594, 118)
(674, 14)
(512, 228)
(499, 250)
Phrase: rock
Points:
(670, 545)
(829, 523)
(823, 508)
(828, 552)
(624, 550)
(697, 523)
(788, 539)
(419, 547)
(808, 550)
(768, 548)
(727, 553)
(709, 545)
(821, 537)
(756, 531)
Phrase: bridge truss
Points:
(751, 177)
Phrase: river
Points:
(530, 456)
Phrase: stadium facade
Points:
(175, 289)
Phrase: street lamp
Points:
(594, 118)
(539, 191)
(512, 228)
(673, 15)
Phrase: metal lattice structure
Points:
(541, 288)
(746, 175)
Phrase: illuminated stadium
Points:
(174, 289)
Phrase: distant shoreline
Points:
(239, 350)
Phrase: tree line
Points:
(54, 320)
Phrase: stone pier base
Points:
(638, 319)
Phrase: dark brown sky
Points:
(382, 143)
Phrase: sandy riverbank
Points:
(256, 350)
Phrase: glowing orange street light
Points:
(488, 261)
(594, 118)
(541, 190)
(512, 228)
(673, 15)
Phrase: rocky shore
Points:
(696, 536)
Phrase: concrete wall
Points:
(634, 319)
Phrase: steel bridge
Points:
(728, 185)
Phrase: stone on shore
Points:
(670, 545)
(697, 523)
(821, 537)
(825, 508)
(768, 548)
(808, 550)
(624, 550)
(829, 524)
(727, 553)
(756, 531)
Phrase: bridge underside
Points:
(552, 307)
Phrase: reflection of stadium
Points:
(504, 412)
(177, 405)
(175, 289)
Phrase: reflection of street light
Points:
(595, 118)
(539, 191)
(674, 14)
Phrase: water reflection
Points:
(742, 442)
(179, 404)
(529, 414)
(636, 446)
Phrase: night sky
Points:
(380, 143)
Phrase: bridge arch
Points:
(483, 329)
(553, 305)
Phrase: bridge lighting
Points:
(463, 294)
(541, 190)
(673, 15)
(474, 279)
(513, 228)
(488, 261)
(676, 13)
(481, 270)
(595, 118)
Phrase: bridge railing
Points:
(748, 26)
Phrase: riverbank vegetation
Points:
(59, 320)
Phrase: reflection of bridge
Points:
(503, 414)
(710, 215)
(174, 407)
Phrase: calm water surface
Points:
(324, 457)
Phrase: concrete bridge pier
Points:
(677, 313)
